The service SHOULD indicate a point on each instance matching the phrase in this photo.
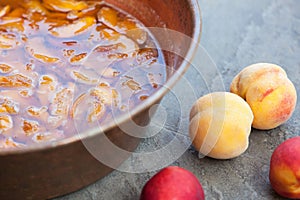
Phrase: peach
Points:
(270, 94)
(285, 169)
(173, 183)
(220, 125)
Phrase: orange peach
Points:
(270, 94)
(285, 169)
(220, 124)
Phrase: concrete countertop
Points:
(236, 33)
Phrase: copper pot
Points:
(50, 170)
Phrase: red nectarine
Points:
(285, 169)
(173, 183)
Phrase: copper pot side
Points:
(47, 171)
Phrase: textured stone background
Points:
(236, 33)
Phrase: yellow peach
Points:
(270, 94)
(220, 125)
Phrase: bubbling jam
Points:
(67, 63)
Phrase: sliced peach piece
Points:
(37, 49)
(15, 81)
(74, 28)
(4, 10)
(65, 5)
(109, 17)
(8, 40)
(4, 68)
(6, 122)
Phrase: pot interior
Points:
(165, 18)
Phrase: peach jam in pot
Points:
(64, 61)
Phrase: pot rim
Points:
(159, 94)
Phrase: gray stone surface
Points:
(236, 33)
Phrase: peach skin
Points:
(270, 94)
(285, 169)
(220, 124)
